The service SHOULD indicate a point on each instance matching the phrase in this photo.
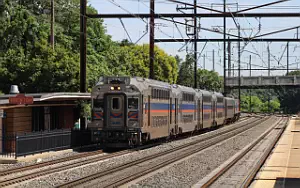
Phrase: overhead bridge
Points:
(257, 82)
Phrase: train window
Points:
(115, 103)
(133, 103)
(98, 104)
(220, 99)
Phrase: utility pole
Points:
(52, 25)
(224, 46)
(250, 89)
(151, 38)
(229, 57)
(213, 56)
(239, 63)
(203, 61)
(269, 74)
(287, 57)
(269, 61)
(195, 43)
(83, 20)
(250, 64)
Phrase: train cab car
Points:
(131, 111)
(116, 110)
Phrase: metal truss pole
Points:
(224, 46)
(83, 20)
(52, 25)
(213, 56)
(287, 58)
(239, 64)
(151, 38)
(229, 57)
(195, 44)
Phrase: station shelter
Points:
(42, 120)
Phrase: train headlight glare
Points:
(119, 88)
(112, 88)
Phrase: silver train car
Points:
(131, 111)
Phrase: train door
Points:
(176, 111)
(213, 110)
(199, 112)
(171, 108)
(176, 116)
(149, 109)
(115, 110)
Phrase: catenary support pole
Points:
(224, 47)
(52, 25)
(83, 20)
(239, 64)
(287, 58)
(213, 56)
(195, 44)
(229, 57)
(151, 38)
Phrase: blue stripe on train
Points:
(165, 106)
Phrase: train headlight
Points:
(112, 88)
(117, 134)
(133, 124)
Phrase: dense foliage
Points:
(255, 104)
(289, 97)
(208, 80)
(27, 60)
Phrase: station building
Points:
(28, 117)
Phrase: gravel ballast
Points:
(188, 172)
(72, 174)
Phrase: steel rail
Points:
(214, 178)
(248, 180)
(188, 149)
(48, 163)
(14, 180)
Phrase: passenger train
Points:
(131, 111)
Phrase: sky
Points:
(137, 31)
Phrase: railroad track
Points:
(61, 160)
(21, 178)
(48, 163)
(175, 154)
(249, 177)
(24, 177)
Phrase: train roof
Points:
(144, 83)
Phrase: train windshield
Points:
(133, 103)
(98, 104)
(115, 103)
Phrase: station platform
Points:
(282, 168)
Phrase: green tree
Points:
(289, 97)
(209, 80)
(186, 72)
(255, 105)
(26, 58)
